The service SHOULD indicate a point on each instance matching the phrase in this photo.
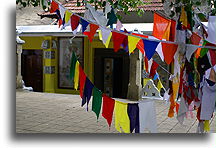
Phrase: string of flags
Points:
(129, 117)
(191, 51)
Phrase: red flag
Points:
(146, 64)
(93, 29)
(74, 22)
(140, 35)
(108, 107)
(140, 46)
(172, 31)
(153, 69)
(195, 39)
(212, 54)
(82, 79)
(54, 6)
(118, 39)
(169, 51)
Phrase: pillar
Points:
(19, 76)
(134, 86)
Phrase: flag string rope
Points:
(127, 34)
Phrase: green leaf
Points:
(78, 4)
(24, 4)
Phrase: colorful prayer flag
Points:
(150, 47)
(93, 29)
(76, 75)
(82, 79)
(169, 51)
(132, 43)
(74, 22)
(161, 28)
(118, 39)
(108, 108)
(153, 69)
(122, 120)
(87, 92)
(84, 24)
(96, 101)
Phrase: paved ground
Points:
(60, 113)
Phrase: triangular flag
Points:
(150, 47)
(93, 29)
(161, 27)
(183, 18)
(112, 18)
(159, 51)
(132, 42)
(140, 46)
(67, 16)
(87, 92)
(118, 39)
(73, 64)
(74, 22)
(195, 39)
(105, 35)
(211, 29)
(190, 49)
(118, 25)
(153, 69)
(96, 101)
(169, 51)
(62, 12)
(146, 64)
(84, 24)
(173, 31)
(54, 6)
(76, 75)
(82, 79)
(108, 108)
(59, 17)
(160, 85)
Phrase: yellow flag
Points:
(76, 75)
(145, 80)
(100, 35)
(183, 17)
(206, 126)
(132, 42)
(67, 16)
(159, 85)
(108, 40)
(122, 121)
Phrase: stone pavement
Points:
(62, 113)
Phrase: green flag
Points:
(73, 64)
(97, 101)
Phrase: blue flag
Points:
(150, 48)
(84, 24)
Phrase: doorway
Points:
(111, 72)
(32, 69)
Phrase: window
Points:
(66, 47)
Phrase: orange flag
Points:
(161, 28)
(169, 51)
(140, 46)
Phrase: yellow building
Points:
(47, 54)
